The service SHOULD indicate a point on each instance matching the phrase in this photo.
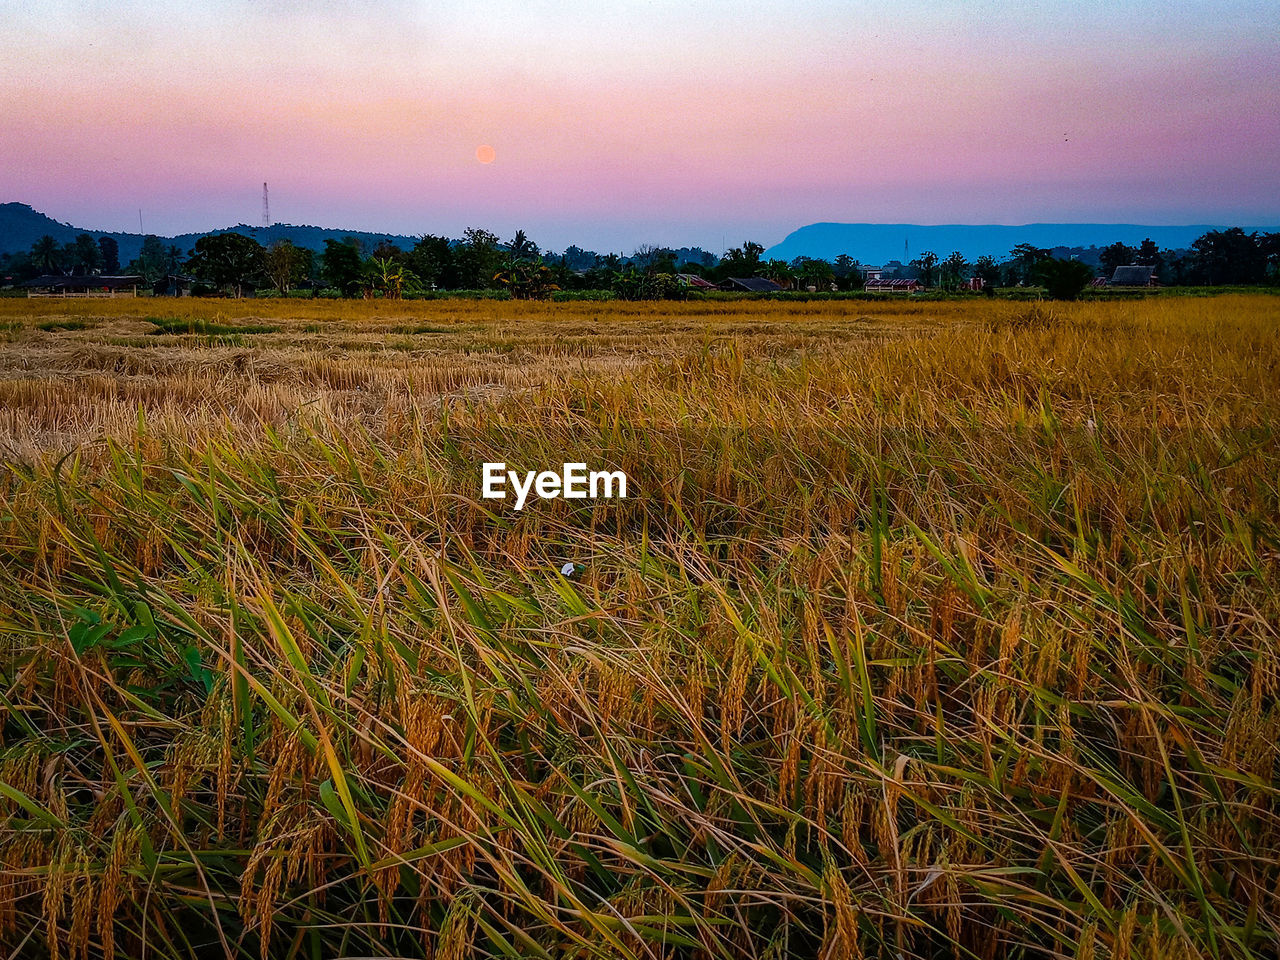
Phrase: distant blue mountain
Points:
(876, 243)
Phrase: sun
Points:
(486, 153)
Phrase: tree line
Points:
(479, 260)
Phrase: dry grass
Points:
(68, 375)
(941, 629)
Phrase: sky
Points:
(616, 124)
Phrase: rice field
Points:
(927, 629)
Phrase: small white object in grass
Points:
(568, 569)
(447, 716)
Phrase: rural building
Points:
(750, 285)
(1134, 275)
(874, 273)
(893, 286)
(177, 285)
(976, 284)
(695, 282)
(90, 286)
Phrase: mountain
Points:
(21, 226)
(868, 243)
(876, 243)
(302, 236)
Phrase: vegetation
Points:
(231, 262)
(285, 265)
(228, 260)
(931, 629)
(1062, 279)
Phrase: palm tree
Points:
(780, 273)
(521, 247)
(88, 256)
(817, 274)
(44, 253)
(172, 258)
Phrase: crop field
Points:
(926, 629)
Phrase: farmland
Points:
(927, 629)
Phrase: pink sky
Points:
(654, 122)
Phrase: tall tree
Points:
(432, 260)
(987, 268)
(954, 268)
(743, 261)
(46, 254)
(654, 260)
(110, 252)
(814, 273)
(227, 260)
(1023, 258)
(284, 265)
(1229, 256)
(478, 258)
(386, 250)
(1179, 266)
(1269, 247)
(780, 272)
(1116, 255)
(1148, 253)
(521, 247)
(575, 258)
(341, 265)
(926, 263)
(150, 263)
(88, 256)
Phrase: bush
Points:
(1062, 279)
(460, 295)
(570, 296)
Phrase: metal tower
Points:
(266, 209)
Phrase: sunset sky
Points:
(616, 124)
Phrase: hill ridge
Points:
(875, 243)
(21, 225)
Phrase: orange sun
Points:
(486, 153)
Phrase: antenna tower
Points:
(266, 208)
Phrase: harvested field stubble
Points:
(929, 629)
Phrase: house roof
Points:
(1134, 275)
(693, 280)
(58, 282)
(751, 284)
(892, 284)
